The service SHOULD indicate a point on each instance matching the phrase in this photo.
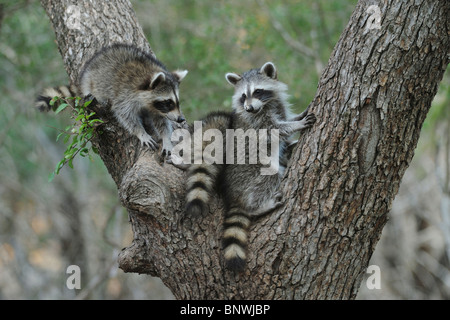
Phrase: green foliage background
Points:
(40, 222)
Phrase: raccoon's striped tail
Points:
(201, 181)
(43, 100)
(235, 238)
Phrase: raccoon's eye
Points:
(243, 97)
(165, 106)
(258, 93)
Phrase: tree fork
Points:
(370, 104)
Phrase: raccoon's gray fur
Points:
(259, 102)
(144, 96)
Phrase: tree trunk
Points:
(370, 104)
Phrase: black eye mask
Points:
(164, 106)
(262, 95)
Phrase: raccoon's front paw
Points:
(278, 200)
(166, 149)
(180, 125)
(309, 120)
(184, 125)
(147, 140)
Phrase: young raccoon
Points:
(259, 102)
(143, 94)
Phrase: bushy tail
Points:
(235, 238)
(43, 100)
(201, 181)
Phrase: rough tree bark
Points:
(371, 101)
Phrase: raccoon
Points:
(143, 95)
(260, 101)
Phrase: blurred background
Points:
(77, 220)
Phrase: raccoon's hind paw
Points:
(268, 207)
(177, 162)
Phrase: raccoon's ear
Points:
(269, 70)
(180, 74)
(157, 79)
(232, 78)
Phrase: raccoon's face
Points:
(255, 88)
(160, 94)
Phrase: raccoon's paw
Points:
(278, 200)
(177, 161)
(166, 150)
(267, 207)
(301, 115)
(309, 120)
(180, 125)
(278, 197)
(147, 140)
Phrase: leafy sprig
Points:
(78, 135)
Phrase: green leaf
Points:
(53, 101)
(66, 139)
(69, 153)
(87, 103)
(90, 115)
(59, 166)
(82, 128)
(84, 152)
(51, 176)
(59, 135)
(70, 163)
(61, 108)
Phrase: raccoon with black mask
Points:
(143, 94)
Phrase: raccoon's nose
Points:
(181, 119)
(250, 108)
